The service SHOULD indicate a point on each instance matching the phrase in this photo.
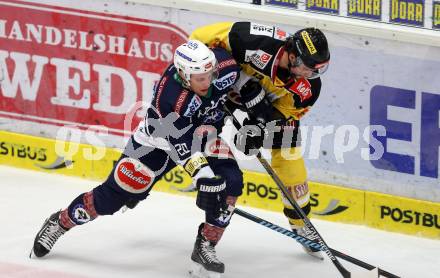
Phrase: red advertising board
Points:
(65, 66)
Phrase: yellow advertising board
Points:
(35, 153)
(403, 215)
(337, 203)
(328, 202)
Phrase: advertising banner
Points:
(288, 4)
(436, 15)
(365, 9)
(403, 215)
(324, 6)
(68, 67)
(410, 12)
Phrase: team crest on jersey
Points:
(260, 59)
(213, 116)
(225, 81)
(193, 105)
(302, 88)
(261, 29)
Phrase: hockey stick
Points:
(310, 243)
(324, 247)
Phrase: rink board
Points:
(328, 202)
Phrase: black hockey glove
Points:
(250, 137)
(211, 196)
(254, 99)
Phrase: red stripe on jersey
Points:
(276, 61)
(159, 93)
(226, 63)
(180, 101)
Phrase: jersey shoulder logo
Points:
(302, 88)
(225, 81)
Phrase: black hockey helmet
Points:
(311, 47)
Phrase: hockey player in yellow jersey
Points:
(287, 67)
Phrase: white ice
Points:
(156, 239)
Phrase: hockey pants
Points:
(133, 177)
(288, 164)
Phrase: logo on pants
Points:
(133, 176)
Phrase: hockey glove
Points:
(211, 196)
(254, 99)
(250, 137)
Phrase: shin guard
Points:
(80, 211)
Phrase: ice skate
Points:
(47, 236)
(205, 263)
(316, 253)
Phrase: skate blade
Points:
(198, 271)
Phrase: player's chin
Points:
(202, 92)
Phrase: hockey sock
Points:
(211, 232)
(80, 211)
(294, 218)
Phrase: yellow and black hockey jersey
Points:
(258, 49)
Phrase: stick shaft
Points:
(303, 240)
(324, 247)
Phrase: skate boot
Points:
(305, 232)
(48, 235)
(205, 261)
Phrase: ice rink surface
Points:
(156, 239)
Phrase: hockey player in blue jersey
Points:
(181, 128)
